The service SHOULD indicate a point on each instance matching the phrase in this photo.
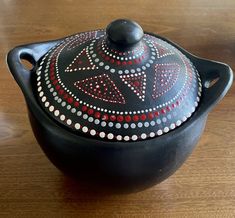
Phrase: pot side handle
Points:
(31, 53)
(216, 79)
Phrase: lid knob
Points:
(124, 32)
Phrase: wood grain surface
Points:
(30, 186)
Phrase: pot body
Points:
(134, 165)
(126, 165)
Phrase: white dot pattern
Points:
(95, 61)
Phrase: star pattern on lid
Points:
(81, 62)
(162, 51)
(81, 39)
(165, 77)
(136, 82)
(101, 87)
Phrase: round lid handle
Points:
(124, 32)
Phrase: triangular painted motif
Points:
(81, 38)
(162, 51)
(81, 62)
(165, 77)
(136, 82)
(101, 87)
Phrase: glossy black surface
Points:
(122, 164)
(124, 32)
(126, 166)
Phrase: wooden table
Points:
(30, 186)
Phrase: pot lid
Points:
(120, 84)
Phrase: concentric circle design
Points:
(135, 94)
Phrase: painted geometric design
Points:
(101, 87)
(81, 39)
(136, 82)
(165, 77)
(81, 62)
(89, 107)
(162, 51)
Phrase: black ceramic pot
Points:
(119, 163)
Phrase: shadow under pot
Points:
(120, 108)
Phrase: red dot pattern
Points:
(106, 117)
